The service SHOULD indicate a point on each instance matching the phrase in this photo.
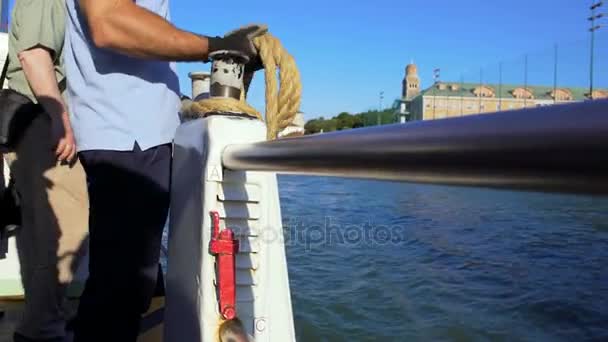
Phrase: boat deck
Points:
(151, 327)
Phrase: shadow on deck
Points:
(151, 326)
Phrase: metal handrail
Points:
(560, 148)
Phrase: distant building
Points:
(452, 99)
(410, 90)
(411, 82)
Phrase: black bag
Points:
(10, 212)
(16, 112)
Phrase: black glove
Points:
(254, 64)
(240, 40)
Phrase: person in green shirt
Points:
(48, 177)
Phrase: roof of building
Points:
(504, 91)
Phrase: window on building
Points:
(522, 93)
(599, 94)
(484, 91)
(561, 94)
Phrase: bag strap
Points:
(4, 70)
(62, 85)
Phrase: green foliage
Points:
(346, 120)
(320, 125)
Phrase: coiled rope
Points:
(282, 103)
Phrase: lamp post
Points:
(480, 90)
(436, 75)
(381, 97)
(555, 74)
(593, 28)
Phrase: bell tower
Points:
(411, 82)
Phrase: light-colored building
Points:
(453, 99)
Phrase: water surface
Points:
(372, 260)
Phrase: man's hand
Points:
(123, 26)
(37, 64)
(240, 40)
(252, 31)
(63, 138)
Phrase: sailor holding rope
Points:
(124, 97)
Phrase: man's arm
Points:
(123, 26)
(37, 64)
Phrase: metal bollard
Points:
(227, 73)
(200, 84)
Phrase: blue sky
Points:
(348, 51)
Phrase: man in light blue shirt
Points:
(124, 98)
(118, 99)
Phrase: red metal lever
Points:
(224, 246)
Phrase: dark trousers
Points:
(129, 203)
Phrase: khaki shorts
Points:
(54, 231)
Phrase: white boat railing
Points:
(561, 148)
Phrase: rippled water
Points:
(392, 261)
